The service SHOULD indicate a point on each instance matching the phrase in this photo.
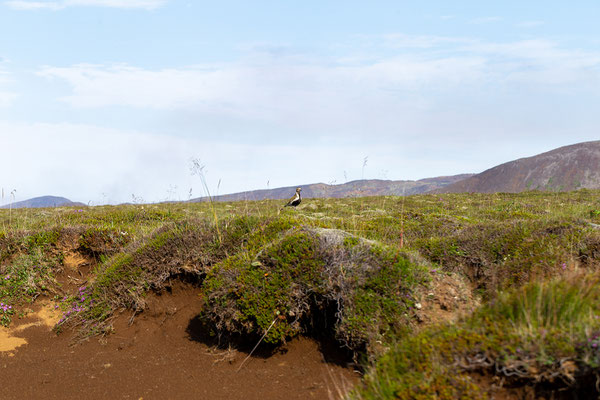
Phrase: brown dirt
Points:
(447, 298)
(162, 355)
(76, 270)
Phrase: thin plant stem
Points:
(261, 339)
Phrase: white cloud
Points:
(58, 5)
(530, 24)
(402, 40)
(297, 97)
(33, 5)
(543, 63)
(376, 92)
(486, 20)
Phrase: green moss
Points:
(119, 268)
(269, 231)
(261, 290)
(43, 239)
(276, 289)
(535, 326)
(157, 241)
(350, 242)
(379, 308)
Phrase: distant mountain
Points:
(370, 187)
(563, 169)
(44, 201)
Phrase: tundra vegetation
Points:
(357, 270)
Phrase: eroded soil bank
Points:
(162, 355)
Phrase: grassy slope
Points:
(520, 251)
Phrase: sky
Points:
(111, 101)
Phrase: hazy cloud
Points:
(401, 40)
(530, 24)
(369, 88)
(58, 5)
(6, 96)
(301, 97)
(92, 163)
(543, 63)
(485, 20)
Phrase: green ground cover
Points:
(355, 265)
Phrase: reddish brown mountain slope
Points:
(566, 168)
(366, 187)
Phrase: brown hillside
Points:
(359, 188)
(563, 169)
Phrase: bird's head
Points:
(298, 190)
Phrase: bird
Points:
(295, 200)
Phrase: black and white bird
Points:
(295, 200)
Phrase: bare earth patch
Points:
(160, 356)
(14, 337)
(448, 298)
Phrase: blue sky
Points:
(104, 100)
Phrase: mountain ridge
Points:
(566, 168)
(44, 201)
(357, 188)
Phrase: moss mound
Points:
(280, 290)
(123, 280)
(543, 335)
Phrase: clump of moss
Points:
(501, 255)
(279, 291)
(246, 296)
(42, 239)
(384, 296)
(540, 334)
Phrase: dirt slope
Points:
(162, 355)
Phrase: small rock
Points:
(418, 306)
